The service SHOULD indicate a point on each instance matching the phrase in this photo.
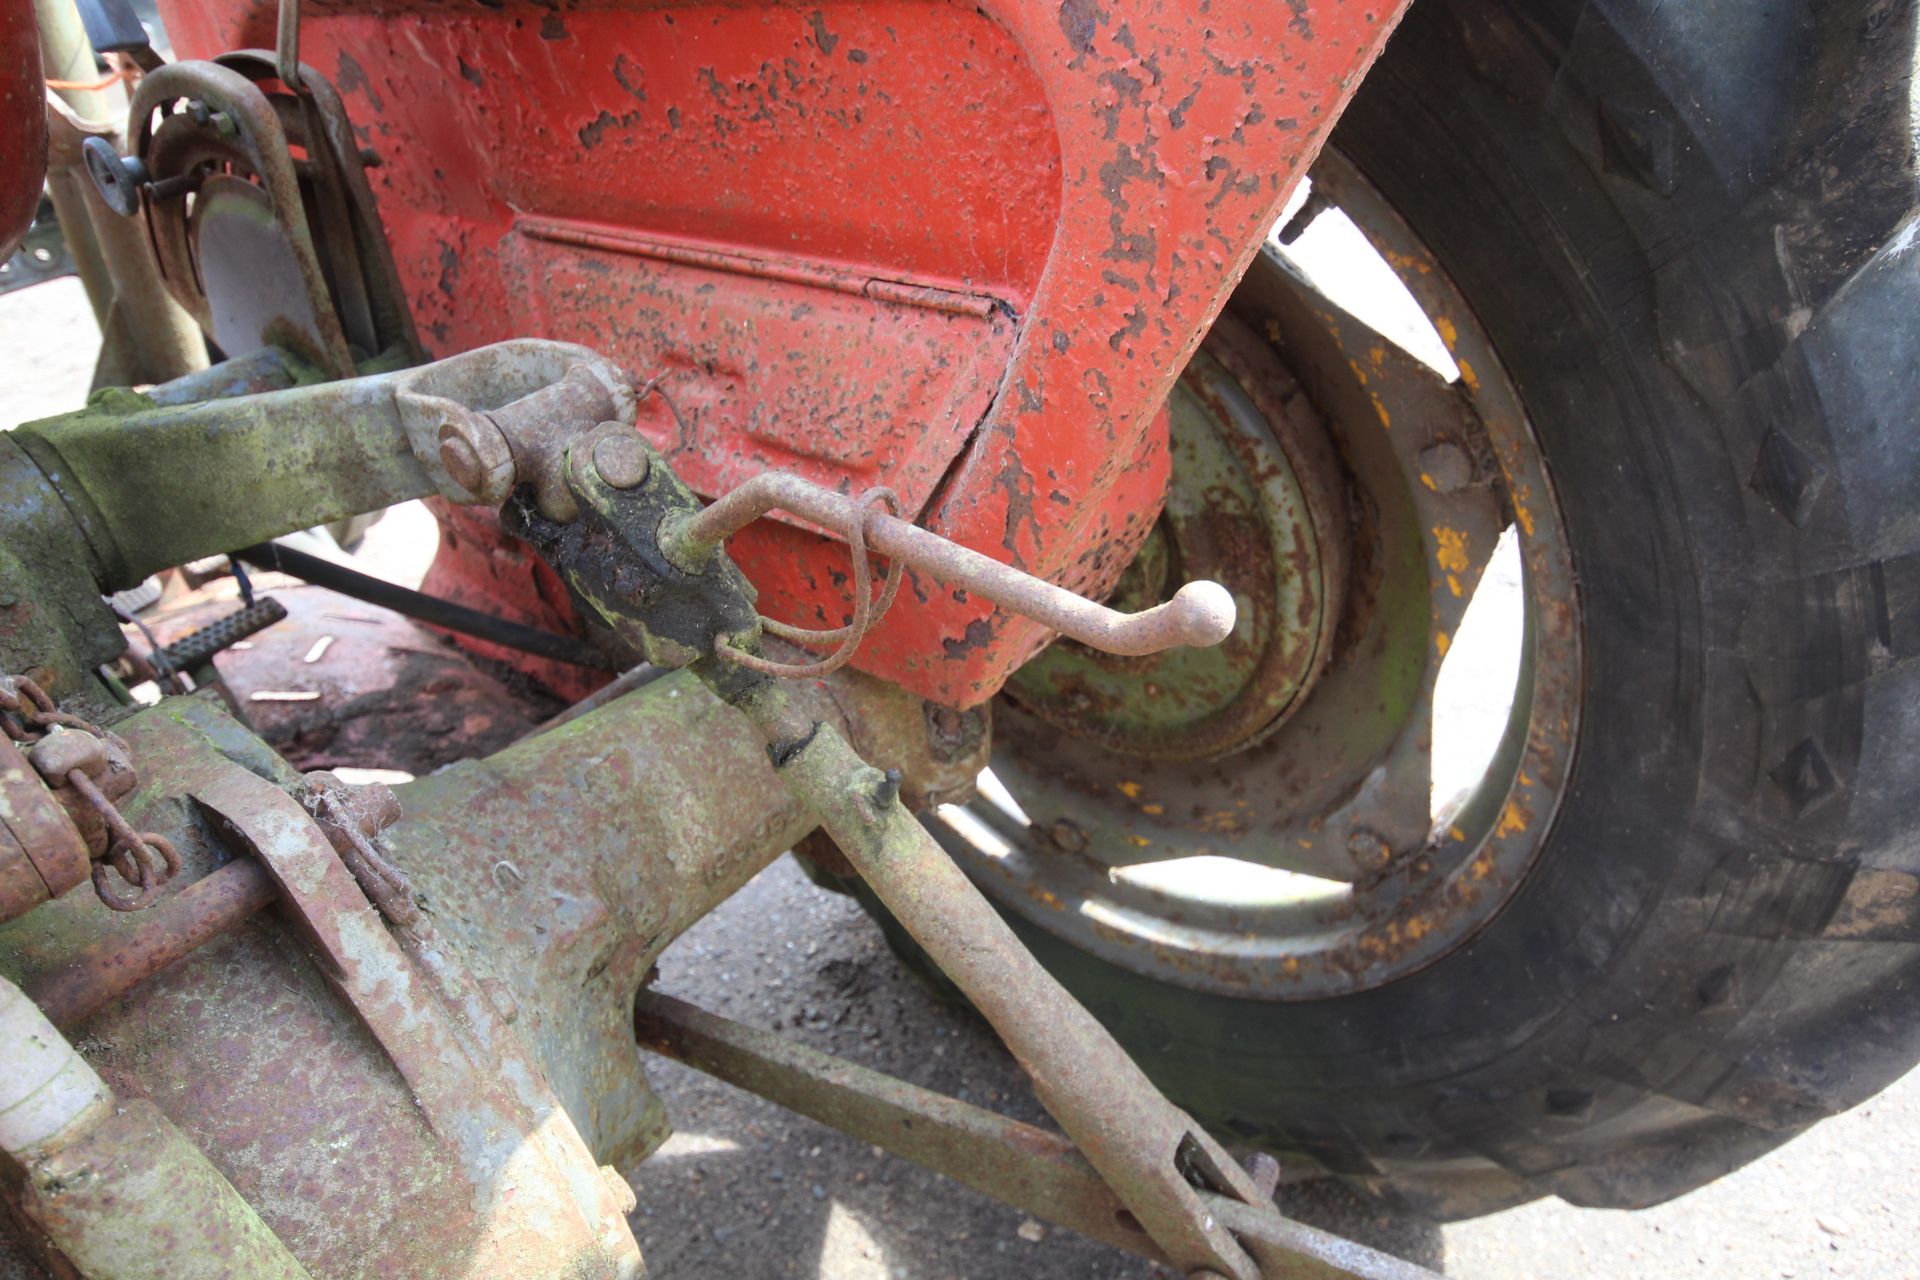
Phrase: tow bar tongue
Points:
(634, 546)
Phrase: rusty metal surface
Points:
(1018, 1164)
(938, 751)
(42, 855)
(152, 486)
(145, 335)
(133, 1198)
(663, 803)
(85, 769)
(53, 624)
(299, 1080)
(1022, 246)
(1200, 613)
(555, 870)
(268, 369)
(540, 1197)
(519, 384)
(145, 860)
(1030, 1168)
(180, 924)
(352, 818)
(353, 248)
(108, 1182)
(647, 560)
(534, 432)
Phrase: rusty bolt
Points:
(1446, 467)
(621, 459)
(476, 454)
(1067, 835)
(952, 733)
(1369, 850)
(64, 750)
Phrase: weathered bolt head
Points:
(1068, 836)
(951, 732)
(1369, 849)
(476, 455)
(458, 456)
(1446, 467)
(63, 751)
(621, 459)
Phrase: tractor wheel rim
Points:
(1278, 838)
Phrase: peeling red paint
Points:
(961, 250)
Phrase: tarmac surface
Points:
(746, 1191)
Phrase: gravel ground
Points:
(746, 1191)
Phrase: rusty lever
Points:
(1200, 613)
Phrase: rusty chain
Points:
(143, 860)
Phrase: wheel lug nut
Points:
(1067, 835)
(1446, 467)
(1369, 850)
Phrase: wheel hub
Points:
(1256, 503)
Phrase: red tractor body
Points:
(959, 251)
